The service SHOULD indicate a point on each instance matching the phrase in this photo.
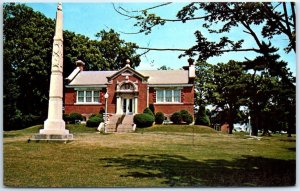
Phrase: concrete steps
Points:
(120, 124)
(111, 125)
(127, 125)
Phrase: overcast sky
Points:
(89, 18)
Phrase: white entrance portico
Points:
(127, 98)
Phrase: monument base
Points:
(54, 130)
(51, 137)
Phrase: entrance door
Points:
(127, 105)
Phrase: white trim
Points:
(88, 103)
(93, 102)
(85, 86)
(164, 96)
(171, 85)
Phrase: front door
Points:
(127, 105)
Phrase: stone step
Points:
(126, 125)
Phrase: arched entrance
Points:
(127, 98)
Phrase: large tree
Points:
(27, 43)
(259, 22)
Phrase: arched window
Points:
(127, 86)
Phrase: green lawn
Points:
(160, 156)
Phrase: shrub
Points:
(66, 117)
(94, 121)
(202, 118)
(151, 107)
(143, 120)
(176, 118)
(184, 112)
(148, 111)
(97, 115)
(159, 118)
(188, 118)
(75, 116)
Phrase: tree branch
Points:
(154, 7)
(159, 19)
(246, 25)
(184, 50)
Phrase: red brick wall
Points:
(187, 99)
(70, 100)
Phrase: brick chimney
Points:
(80, 64)
(191, 61)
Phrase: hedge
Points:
(143, 120)
(148, 111)
(75, 116)
(159, 118)
(94, 121)
(176, 118)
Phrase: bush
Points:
(148, 111)
(159, 118)
(143, 120)
(202, 118)
(184, 112)
(188, 118)
(75, 116)
(94, 121)
(151, 107)
(66, 117)
(176, 118)
(97, 115)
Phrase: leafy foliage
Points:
(143, 120)
(75, 116)
(152, 108)
(148, 111)
(202, 118)
(176, 118)
(27, 52)
(94, 121)
(159, 118)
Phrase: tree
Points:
(164, 67)
(27, 37)
(220, 18)
(228, 83)
(273, 18)
(202, 118)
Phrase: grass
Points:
(160, 156)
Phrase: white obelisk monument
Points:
(55, 125)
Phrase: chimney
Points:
(191, 61)
(80, 64)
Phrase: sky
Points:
(89, 18)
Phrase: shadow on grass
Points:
(178, 171)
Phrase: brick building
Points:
(130, 91)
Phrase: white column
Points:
(135, 105)
(119, 105)
(55, 123)
(147, 96)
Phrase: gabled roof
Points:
(127, 68)
(85, 78)
(155, 77)
(166, 76)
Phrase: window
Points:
(127, 86)
(168, 95)
(88, 96)
(80, 96)
(177, 95)
(159, 95)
